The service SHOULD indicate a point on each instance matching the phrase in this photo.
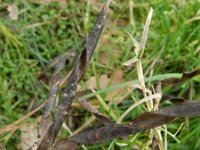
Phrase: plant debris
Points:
(13, 11)
(185, 76)
(50, 128)
(143, 122)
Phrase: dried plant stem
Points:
(165, 137)
(170, 134)
(12, 126)
(146, 99)
(141, 80)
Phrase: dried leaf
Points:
(145, 33)
(101, 118)
(13, 11)
(28, 137)
(136, 44)
(76, 75)
(2, 147)
(117, 78)
(139, 47)
(173, 99)
(103, 81)
(91, 83)
(103, 58)
(191, 74)
(185, 76)
(54, 87)
(143, 122)
(105, 40)
(109, 131)
(15, 125)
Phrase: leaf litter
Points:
(52, 127)
(143, 122)
(108, 130)
(13, 11)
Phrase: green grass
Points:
(44, 31)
